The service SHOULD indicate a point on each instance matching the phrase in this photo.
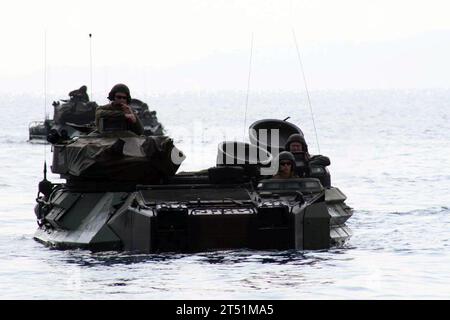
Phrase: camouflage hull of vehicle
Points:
(193, 217)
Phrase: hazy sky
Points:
(164, 45)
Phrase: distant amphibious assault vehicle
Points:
(73, 117)
(122, 193)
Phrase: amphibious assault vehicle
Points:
(72, 118)
(122, 193)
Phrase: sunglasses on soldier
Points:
(285, 163)
(120, 97)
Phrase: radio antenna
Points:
(306, 87)
(45, 90)
(248, 84)
(90, 60)
(45, 75)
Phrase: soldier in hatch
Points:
(79, 94)
(296, 144)
(286, 166)
(119, 109)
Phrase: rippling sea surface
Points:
(390, 154)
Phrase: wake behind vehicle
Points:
(122, 193)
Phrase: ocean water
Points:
(390, 154)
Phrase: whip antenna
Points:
(45, 75)
(306, 87)
(248, 85)
(45, 89)
(90, 60)
(45, 186)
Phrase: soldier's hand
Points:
(129, 114)
(126, 108)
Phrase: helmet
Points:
(119, 88)
(286, 155)
(83, 89)
(296, 137)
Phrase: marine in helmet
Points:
(286, 166)
(79, 94)
(119, 110)
(297, 145)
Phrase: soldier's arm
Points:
(103, 112)
(320, 160)
(137, 127)
(134, 123)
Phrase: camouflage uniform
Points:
(115, 111)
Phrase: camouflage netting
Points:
(117, 157)
(75, 112)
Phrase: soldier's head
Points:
(286, 164)
(83, 89)
(296, 143)
(146, 114)
(120, 93)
